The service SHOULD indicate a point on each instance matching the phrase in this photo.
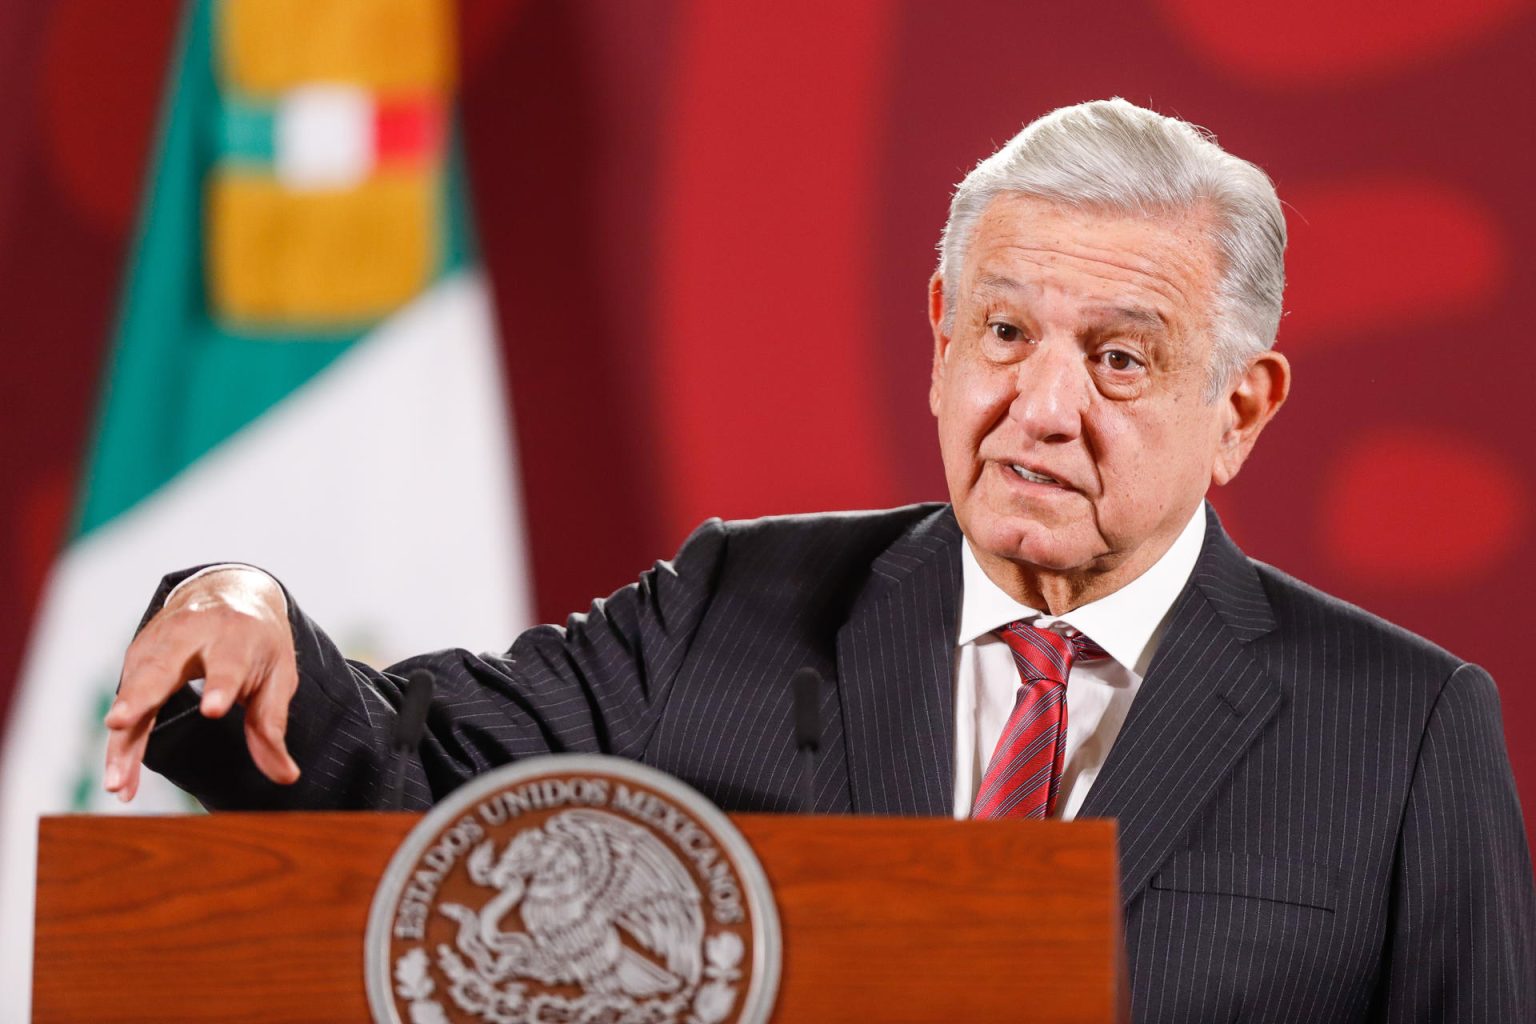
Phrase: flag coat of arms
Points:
(304, 376)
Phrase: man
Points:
(1318, 820)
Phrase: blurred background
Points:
(245, 250)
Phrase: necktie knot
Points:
(1045, 653)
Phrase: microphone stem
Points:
(808, 779)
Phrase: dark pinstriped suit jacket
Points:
(1317, 816)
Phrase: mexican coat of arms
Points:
(573, 890)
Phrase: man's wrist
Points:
(223, 566)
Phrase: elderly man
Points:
(1318, 820)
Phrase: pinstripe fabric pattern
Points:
(1317, 817)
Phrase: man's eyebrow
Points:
(1135, 317)
(996, 283)
(1131, 316)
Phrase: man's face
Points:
(1075, 433)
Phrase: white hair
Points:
(1114, 156)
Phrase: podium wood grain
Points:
(260, 917)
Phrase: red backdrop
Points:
(709, 228)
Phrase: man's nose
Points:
(1052, 392)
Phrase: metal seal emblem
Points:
(573, 889)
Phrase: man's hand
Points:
(229, 627)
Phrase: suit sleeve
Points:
(594, 686)
(1462, 945)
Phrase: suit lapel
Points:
(895, 662)
(1203, 703)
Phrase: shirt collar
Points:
(1127, 623)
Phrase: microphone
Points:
(805, 688)
(410, 725)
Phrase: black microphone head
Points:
(412, 722)
(805, 686)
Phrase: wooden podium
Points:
(241, 917)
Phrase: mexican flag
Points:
(304, 377)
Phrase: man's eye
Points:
(1117, 360)
(1004, 332)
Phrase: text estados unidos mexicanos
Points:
(546, 794)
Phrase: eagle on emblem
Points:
(581, 884)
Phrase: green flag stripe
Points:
(246, 132)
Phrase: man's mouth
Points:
(1036, 478)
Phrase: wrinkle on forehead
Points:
(1119, 261)
(1112, 279)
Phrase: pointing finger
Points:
(125, 749)
(152, 671)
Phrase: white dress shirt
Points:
(1128, 624)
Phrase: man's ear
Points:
(1251, 403)
(940, 339)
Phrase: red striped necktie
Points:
(1024, 775)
